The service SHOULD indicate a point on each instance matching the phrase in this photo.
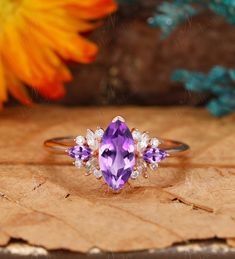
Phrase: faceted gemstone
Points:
(141, 165)
(134, 174)
(80, 140)
(99, 133)
(78, 163)
(97, 173)
(91, 165)
(117, 154)
(154, 142)
(136, 135)
(154, 155)
(80, 153)
(91, 139)
(143, 142)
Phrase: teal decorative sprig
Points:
(170, 15)
(225, 8)
(220, 82)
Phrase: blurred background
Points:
(149, 53)
(135, 64)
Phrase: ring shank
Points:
(60, 145)
(173, 147)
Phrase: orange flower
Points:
(35, 35)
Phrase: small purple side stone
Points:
(80, 152)
(154, 155)
(117, 154)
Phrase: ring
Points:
(117, 154)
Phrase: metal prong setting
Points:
(143, 142)
(118, 118)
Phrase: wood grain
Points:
(45, 201)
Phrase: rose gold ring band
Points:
(61, 144)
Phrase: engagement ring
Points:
(116, 154)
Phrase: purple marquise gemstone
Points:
(80, 152)
(117, 154)
(154, 155)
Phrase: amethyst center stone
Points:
(117, 154)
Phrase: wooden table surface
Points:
(46, 202)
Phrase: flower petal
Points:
(69, 45)
(37, 36)
(52, 91)
(18, 90)
(3, 88)
(95, 10)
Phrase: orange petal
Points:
(69, 45)
(52, 91)
(46, 62)
(59, 18)
(18, 90)
(16, 48)
(35, 65)
(94, 11)
(39, 5)
(90, 3)
(3, 87)
(48, 5)
(33, 39)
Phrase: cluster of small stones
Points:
(89, 146)
(147, 155)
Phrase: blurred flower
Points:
(37, 35)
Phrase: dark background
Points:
(134, 65)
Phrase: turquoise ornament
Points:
(220, 82)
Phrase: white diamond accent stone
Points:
(140, 165)
(78, 163)
(91, 139)
(120, 118)
(88, 169)
(99, 133)
(154, 142)
(91, 164)
(136, 135)
(97, 173)
(141, 168)
(154, 166)
(80, 140)
(134, 174)
(143, 143)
